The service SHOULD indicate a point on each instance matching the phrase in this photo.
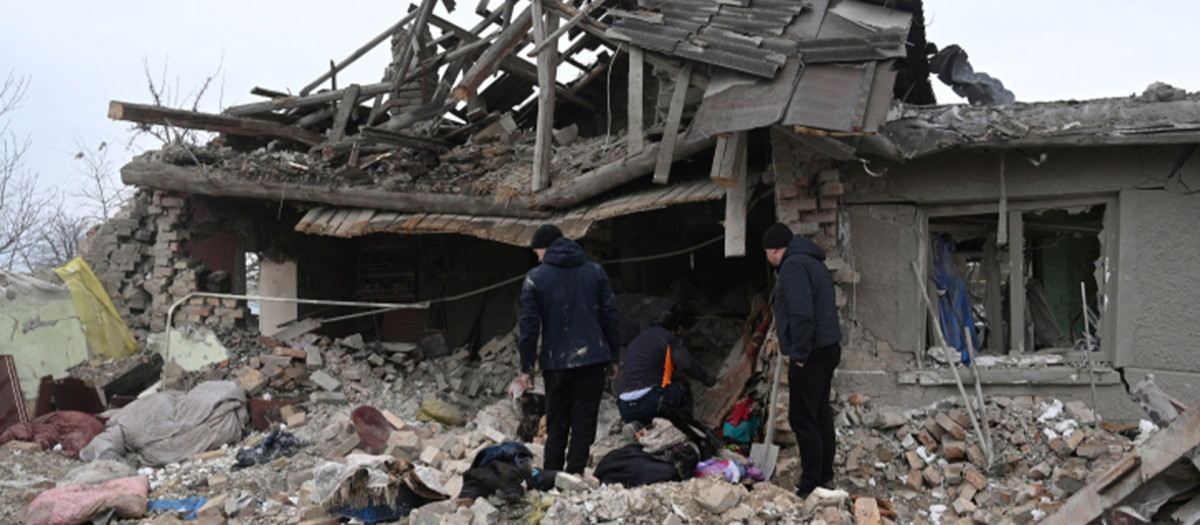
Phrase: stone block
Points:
(313, 359)
(325, 381)
(569, 483)
(432, 456)
(343, 448)
(484, 513)
(717, 497)
(214, 507)
(251, 380)
(866, 511)
(328, 398)
(963, 507)
(290, 352)
(1040, 471)
(1092, 450)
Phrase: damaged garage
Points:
(345, 264)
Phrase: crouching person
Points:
(646, 384)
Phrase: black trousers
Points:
(572, 406)
(812, 418)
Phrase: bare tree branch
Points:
(100, 190)
(22, 206)
(163, 95)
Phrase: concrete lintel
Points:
(1039, 376)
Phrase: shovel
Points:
(765, 454)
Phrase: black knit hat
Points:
(545, 235)
(777, 236)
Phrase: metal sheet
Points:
(828, 97)
(881, 96)
(744, 106)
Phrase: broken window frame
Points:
(1106, 289)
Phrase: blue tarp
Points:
(954, 305)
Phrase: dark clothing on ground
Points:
(812, 418)
(569, 302)
(806, 316)
(633, 467)
(572, 406)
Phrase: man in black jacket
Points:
(647, 387)
(806, 321)
(568, 302)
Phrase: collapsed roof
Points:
(448, 130)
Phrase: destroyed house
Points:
(666, 136)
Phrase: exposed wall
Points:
(141, 258)
(1157, 284)
(40, 329)
(1159, 300)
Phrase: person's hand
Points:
(527, 380)
(612, 372)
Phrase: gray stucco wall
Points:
(886, 302)
(1158, 304)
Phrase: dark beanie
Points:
(545, 235)
(777, 236)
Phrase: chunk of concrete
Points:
(251, 380)
(717, 497)
(569, 483)
(325, 381)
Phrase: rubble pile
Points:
(930, 461)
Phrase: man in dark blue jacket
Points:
(568, 302)
(806, 321)
(647, 386)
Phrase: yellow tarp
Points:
(105, 330)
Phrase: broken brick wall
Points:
(808, 189)
(141, 258)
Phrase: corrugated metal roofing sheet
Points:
(355, 222)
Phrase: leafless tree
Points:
(56, 241)
(163, 93)
(22, 206)
(100, 191)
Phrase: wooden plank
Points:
(635, 134)
(358, 225)
(307, 220)
(413, 46)
(358, 53)
(666, 151)
(543, 141)
(202, 181)
(332, 223)
(345, 109)
(380, 221)
(317, 99)
(730, 151)
(162, 116)
(503, 46)
(318, 221)
(737, 200)
(552, 37)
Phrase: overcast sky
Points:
(79, 55)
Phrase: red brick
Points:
(828, 203)
(952, 427)
(290, 352)
(932, 475)
(914, 480)
(953, 449)
(831, 189)
(975, 478)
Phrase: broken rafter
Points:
(598, 30)
(553, 37)
(610, 176)
(542, 147)
(413, 46)
(345, 109)
(368, 90)
(159, 115)
(662, 169)
(487, 63)
(357, 54)
(208, 182)
(402, 139)
(506, 42)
